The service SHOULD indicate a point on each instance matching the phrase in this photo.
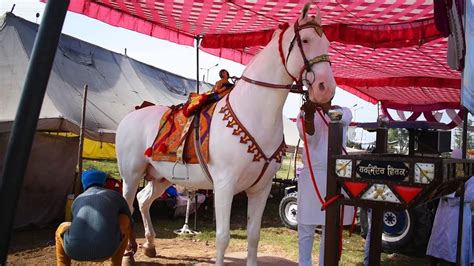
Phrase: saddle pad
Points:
(175, 140)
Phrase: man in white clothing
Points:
(309, 213)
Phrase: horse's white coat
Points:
(259, 109)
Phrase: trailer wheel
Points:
(397, 229)
(288, 210)
(410, 234)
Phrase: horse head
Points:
(304, 51)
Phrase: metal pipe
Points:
(195, 209)
(296, 157)
(26, 119)
(461, 197)
(197, 63)
(460, 226)
(77, 188)
(464, 132)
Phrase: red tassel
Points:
(148, 152)
(162, 148)
(186, 111)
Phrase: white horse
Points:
(296, 53)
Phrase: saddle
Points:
(174, 141)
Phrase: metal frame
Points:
(449, 176)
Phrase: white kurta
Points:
(443, 239)
(309, 206)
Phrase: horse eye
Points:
(305, 41)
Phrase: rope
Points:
(309, 163)
(331, 201)
(352, 228)
(327, 203)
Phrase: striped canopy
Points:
(383, 50)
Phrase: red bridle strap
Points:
(280, 49)
(307, 63)
(265, 84)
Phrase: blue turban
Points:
(93, 177)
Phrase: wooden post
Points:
(411, 142)
(77, 188)
(332, 225)
(381, 142)
(376, 236)
(460, 225)
(461, 197)
(377, 213)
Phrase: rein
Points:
(298, 87)
(268, 85)
(325, 204)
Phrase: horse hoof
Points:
(150, 252)
(128, 261)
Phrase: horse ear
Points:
(318, 17)
(305, 10)
(276, 33)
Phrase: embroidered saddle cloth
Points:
(175, 139)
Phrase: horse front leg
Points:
(257, 200)
(146, 196)
(222, 203)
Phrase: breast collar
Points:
(246, 138)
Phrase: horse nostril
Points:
(321, 86)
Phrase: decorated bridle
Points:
(298, 87)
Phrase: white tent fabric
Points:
(49, 177)
(116, 82)
(290, 131)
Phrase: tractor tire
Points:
(288, 210)
(398, 227)
(410, 234)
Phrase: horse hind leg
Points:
(256, 205)
(146, 196)
(132, 170)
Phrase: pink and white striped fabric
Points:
(384, 50)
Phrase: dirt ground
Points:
(37, 248)
(278, 245)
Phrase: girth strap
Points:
(198, 149)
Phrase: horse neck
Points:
(260, 108)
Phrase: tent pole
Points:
(461, 189)
(464, 132)
(198, 38)
(77, 181)
(296, 157)
(26, 119)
